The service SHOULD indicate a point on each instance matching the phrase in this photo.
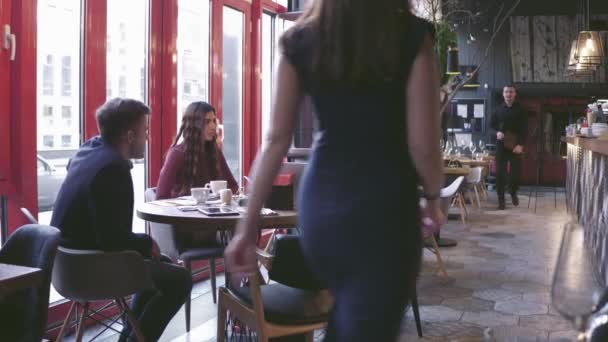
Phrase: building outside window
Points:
(66, 76)
(47, 75)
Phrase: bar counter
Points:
(587, 193)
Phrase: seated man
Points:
(94, 209)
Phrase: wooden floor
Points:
(499, 286)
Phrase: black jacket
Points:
(94, 207)
(510, 119)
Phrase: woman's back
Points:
(362, 129)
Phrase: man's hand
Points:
(518, 149)
(500, 135)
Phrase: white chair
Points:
(451, 196)
(474, 181)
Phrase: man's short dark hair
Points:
(510, 85)
(118, 115)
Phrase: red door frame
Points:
(23, 191)
(217, 8)
(94, 63)
(162, 82)
(5, 105)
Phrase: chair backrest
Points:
(28, 215)
(163, 234)
(24, 313)
(474, 176)
(451, 190)
(289, 266)
(90, 275)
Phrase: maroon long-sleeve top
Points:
(169, 181)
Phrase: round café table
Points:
(194, 220)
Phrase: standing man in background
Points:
(509, 122)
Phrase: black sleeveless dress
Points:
(358, 202)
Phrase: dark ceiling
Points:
(541, 7)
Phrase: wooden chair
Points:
(274, 310)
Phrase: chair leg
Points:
(464, 204)
(477, 196)
(66, 323)
(221, 321)
(438, 256)
(416, 313)
(80, 330)
(212, 275)
(188, 266)
(471, 199)
(463, 210)
(122, 303)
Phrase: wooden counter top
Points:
(595, 145)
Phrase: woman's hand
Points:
(240, 255)
(433, 211)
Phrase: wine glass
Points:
(577, 284)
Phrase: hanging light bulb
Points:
(452, 62)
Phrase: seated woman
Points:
(195, 161)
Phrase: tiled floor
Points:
(498, 287)
(499, 277)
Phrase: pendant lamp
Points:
(589, 48)
(574, 68)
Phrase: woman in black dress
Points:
(370, 70)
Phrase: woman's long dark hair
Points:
(353, 41)
(193, 125)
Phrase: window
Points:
(122, 86)
(47, 75)
(66, 115)
(48, 111)
(48, 141)
(58, 59)
(127, 69)
(66, 112)
(66, 140)
(232, 88)
(66, 76)
(47, 114)
(193, 53)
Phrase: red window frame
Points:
(5, 105)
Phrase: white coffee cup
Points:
(226, 196)
(217, 185)
(200, 194)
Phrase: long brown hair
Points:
(353, 41)
(193, 125)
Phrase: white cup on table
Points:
(200, 194)
(217, 185)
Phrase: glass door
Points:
(58, 118)
(233, 86)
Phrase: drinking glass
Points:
(577, 284)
